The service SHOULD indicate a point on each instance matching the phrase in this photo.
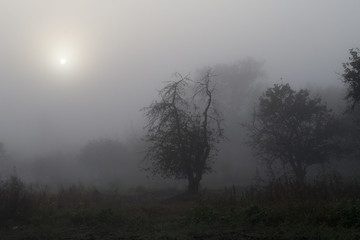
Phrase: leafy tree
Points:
(2, 152)
(293, 129)
(238, 86)
(183, 130)
(104, 159)
(351, 77)
(5, 165)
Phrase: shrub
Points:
(16, 201)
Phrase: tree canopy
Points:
(351, 78)
(293, 129)
(183, 130)
(104, 160)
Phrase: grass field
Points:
(275, 211)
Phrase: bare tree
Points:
(183, 130)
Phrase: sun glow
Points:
(63, 61)
(65, 56)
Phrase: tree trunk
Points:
(300, 176)
(299, 171)
(193, 187)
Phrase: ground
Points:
(81, 213)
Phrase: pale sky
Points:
(119, 52)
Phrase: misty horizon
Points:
(73, 72)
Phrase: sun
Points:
(63, 61)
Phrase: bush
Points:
(204, 213)
(255, 215)
(349, 216)
(93, 217)
(16, 201)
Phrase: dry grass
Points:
(278, 210)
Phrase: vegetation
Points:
(183, 131)
(293, 129)
(103, 157)
(351, 78)
(325, 209)
(290, 129)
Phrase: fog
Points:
(119, 53)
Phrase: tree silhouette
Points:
(183, 130)
(104, 160)
(293, 129)
(351, 77)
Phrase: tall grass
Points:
(327, 204)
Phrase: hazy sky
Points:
(119, 52)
